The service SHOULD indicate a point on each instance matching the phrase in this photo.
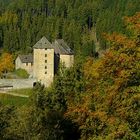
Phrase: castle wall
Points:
(44, 65)
(68, 60)
(18, 63)
(26, 66)
(17, 83)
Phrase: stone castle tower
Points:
(43, 69)
(47, 56)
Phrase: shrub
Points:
(22, 73)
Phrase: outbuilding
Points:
(25, 62)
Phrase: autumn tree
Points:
(110, 107)
(6, 63)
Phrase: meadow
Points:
(26, 91)
(8, 99)
(17, 101)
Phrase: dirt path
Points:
(13, 94)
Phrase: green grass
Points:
(27, 91)
(13, 100)
(21, 73)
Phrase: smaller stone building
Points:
(25, 62)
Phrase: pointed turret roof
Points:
(43, 43)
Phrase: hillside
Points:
(23, 23)
(98, 98)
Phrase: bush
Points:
(22, 73)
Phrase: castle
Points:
(43, 63)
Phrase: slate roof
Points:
(60, 47)
(26, 58)
(43, 43)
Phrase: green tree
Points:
(6, 113)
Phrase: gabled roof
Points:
(60, 47)
(43, 43)
(26, 58)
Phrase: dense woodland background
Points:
(23, 22)
(96, 99)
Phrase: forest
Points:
(96, 99)
(80, 23)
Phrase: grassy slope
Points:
(13, 100)
(22, 91)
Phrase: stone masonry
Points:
(46, 59)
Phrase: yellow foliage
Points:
(8, 18)
(110, 106)
(6, 63)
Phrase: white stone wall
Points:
(28, 67)
(44, 66)
(18, 83)
(18, 63)
(68, 60)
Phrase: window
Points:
(45, 61)
(45, 48)
(26, 64)
(45, 67)
(31, 64)
(45, 55)
(45, 72)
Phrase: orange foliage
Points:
(6, 63)
(110, 106)
(133, 23)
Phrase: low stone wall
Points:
(18, 83)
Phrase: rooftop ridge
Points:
(26, 58)
(62, 48)
(43, 43)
